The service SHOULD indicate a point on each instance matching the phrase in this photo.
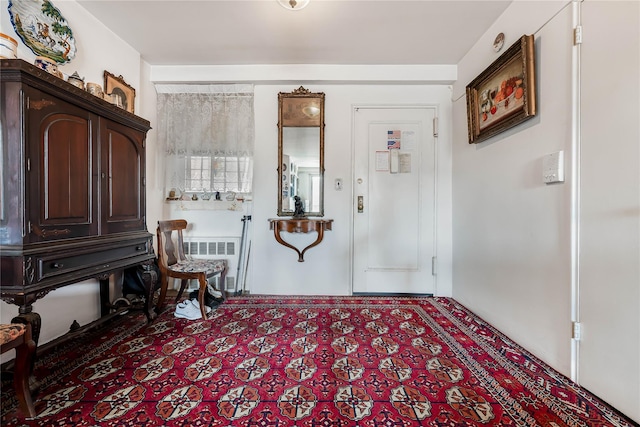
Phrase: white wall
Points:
(327, 267)
(97, 50)
(512, 233)
(155, 179)
(274, 269)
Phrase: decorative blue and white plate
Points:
(43, 29)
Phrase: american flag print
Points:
(393, 139)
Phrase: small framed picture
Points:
(124, 94)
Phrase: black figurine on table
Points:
(299, 210)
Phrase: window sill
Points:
(206, 205)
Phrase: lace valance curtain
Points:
(204, 120)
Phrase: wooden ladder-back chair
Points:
(174, 264)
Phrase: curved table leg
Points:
(276, 233)
(317, 242)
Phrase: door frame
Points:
(354, 109)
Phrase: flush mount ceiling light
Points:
(293, 4)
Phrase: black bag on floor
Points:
(133, 283)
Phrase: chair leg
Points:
(22, 367)
(163, 292)
(202, 279)
(183, 286)
(223, 277)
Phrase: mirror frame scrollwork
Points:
(299, 109)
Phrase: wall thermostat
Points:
(553, 168)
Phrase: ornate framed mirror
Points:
(301, 153)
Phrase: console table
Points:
(299, 225)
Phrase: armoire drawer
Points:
(98, 260)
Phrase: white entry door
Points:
(394, 202)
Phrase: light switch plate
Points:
(553, 168)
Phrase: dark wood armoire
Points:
(72, 196)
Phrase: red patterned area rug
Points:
(307, 361)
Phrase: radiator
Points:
(215, 248)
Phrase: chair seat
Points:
(9, 332)
(208, 266)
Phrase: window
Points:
(207, 132)
(218, 173)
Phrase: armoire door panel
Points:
(61, 168)
(66, 167)
(123, 165)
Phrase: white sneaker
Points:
(183, 303)
(196, 303)
(188, 311)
